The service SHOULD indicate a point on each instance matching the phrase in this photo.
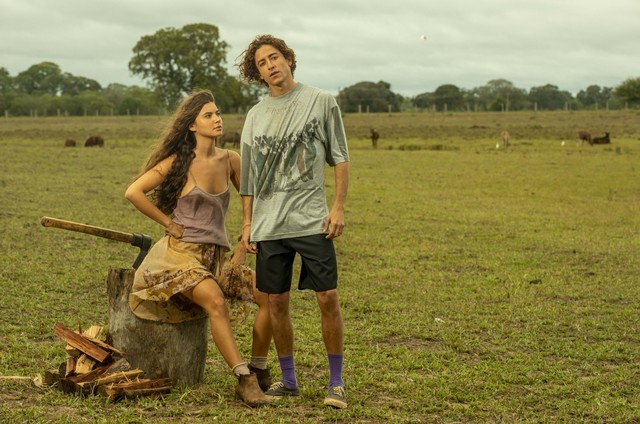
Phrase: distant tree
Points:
(45, 77)
(26, 104)
(449, 95)
(371, 96)
(423, 101)
(407, 104)
(116, 94)
(549, 97)
(500, 94)
(73, 85)
(133, 100)
(95, 103)
(86, 103)
(176, 61)
(594, 95)
(140, 101)
(237, 96)
(72, 105)
(6, 90)
(629, 91)
(6, 82)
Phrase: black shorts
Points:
(274, 264)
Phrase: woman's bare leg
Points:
(207, 294)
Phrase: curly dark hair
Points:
(176, 140)
(247, 59)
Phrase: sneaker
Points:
(264, 377)
(280, 390)
(336, 397)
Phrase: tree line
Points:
(496, 95)
(174, 61)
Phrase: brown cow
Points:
(375, 135)
(601, 140)
(506, 141)
(69, 143)
(584, 136)
(232, 137)
(94, 140)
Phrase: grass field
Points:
(477, 284)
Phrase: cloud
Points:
(530, 43)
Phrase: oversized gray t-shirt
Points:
(286, 141)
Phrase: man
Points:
(286, 140)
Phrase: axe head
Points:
(144, 242)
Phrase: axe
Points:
(142, 241)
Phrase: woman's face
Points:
(208, 123)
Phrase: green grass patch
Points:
(478, 284)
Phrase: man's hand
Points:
(247, 211)
(334, 225)
(246, 239)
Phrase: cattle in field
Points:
(94, 140)
(230, 137)
(601, 140)
(584, 136)
(69, 143)
(375, 135)
(506, 141)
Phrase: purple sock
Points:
(288, 372)
(335, 370)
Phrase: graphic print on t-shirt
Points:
(286, 164)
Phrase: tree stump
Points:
(161, 350)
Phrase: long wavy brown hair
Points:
(247, 63)
(178, 140)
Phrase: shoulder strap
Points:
(194, 178)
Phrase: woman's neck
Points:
(205, 146)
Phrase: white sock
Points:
(241, 369)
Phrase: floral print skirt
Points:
(173, 266)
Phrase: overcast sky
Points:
(568, 43)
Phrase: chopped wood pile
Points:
(95, 368)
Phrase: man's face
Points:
(274, 68)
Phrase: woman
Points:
(185, 272)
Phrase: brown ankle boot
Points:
(249, 391)
(264, 377)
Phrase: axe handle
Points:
(87, 229)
